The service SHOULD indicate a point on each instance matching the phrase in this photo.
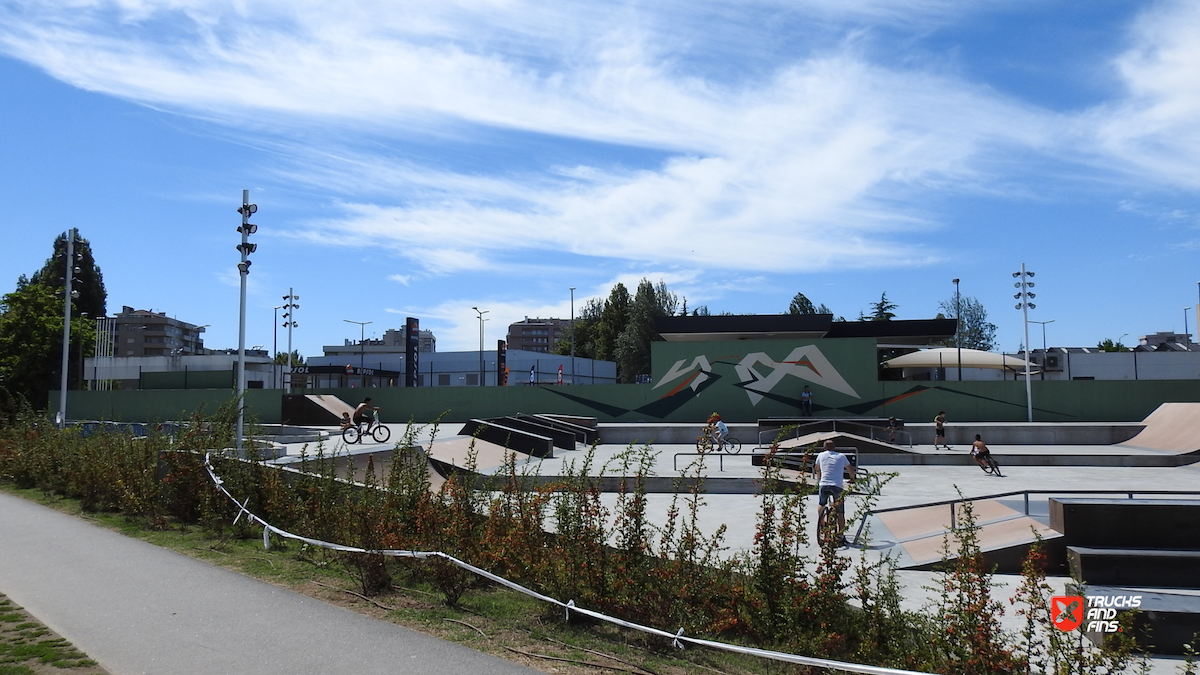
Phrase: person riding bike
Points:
(361, 415)
(979, 450)
(717, 430)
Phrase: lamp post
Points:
(290, 322)
(572, 335)
(1185, 331)
(68, 295)
(481, 320)
(245, 248)
(275, 346)
(362, 331)
(958, 328)
(1024, 296)
(1043, 344)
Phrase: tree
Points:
(633, 345)
(88, 280)
(882, 310)
(1107, 345)
(281, 358)
(801, 305)
(31, 320)
(974, 330)
(613, 319)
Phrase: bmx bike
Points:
(354, 433)
(706, 443)
(989, 465)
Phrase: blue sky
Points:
(419, 160)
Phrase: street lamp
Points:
(362, 328)
(1043, 344)
(481, 320)
(245, 248)
(1024, 295)
(68, 296)
(289, 323)
(572, 335)
(958, 328)
(275, 345)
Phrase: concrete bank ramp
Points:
(842, 440)
(320, 410)
(1172, 427)
(1004, 535)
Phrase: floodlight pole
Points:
(68, 276)
(480, 313)
(245, 248)
(1024, 296)
(572, 335)
(958, 328)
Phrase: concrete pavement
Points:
(137, 608)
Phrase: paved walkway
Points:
(138, 608)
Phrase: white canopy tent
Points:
(947, 357)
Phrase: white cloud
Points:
(1157, 127)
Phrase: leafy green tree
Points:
(801, 305)
(281, 358)
(1107, 345)
(882, 310)
(31, 322)
(88, 281)
(974, 330)
(633, 345)
(613, 319)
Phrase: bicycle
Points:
(989, 465)
(705, 443)
(354, 433)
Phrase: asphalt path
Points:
(137, 608)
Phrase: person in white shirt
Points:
(827, 470)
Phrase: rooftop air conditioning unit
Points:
(1053, 362)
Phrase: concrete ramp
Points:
(321, 410)
(842, 440)
(1172, 427)
(1005, 534)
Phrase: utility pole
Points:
(245, 248)
(572, 335)
(68, 295)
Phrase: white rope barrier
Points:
(678, 639)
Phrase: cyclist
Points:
(361, 415)
(717, 430)
(979, 450)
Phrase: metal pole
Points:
(958, 328)
(572, 335)
(275, 349)
(362, 331)
(480, 313)
(1185, 331)
(291, 324)
(69, 274)
(1025, 315)
(244, 270)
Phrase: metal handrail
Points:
(796, 432)
(953, 516)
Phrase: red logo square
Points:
(1066, 611)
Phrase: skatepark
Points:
(1152, 468)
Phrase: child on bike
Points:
(717, 429)
(346, 421)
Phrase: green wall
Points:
(744, 380)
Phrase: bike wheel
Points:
(733, 445)
(351, 435)
(381, 434)
(995, 467)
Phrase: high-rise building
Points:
(537, 335)
(140, 332)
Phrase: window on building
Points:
(472, 379)
(443, 379)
